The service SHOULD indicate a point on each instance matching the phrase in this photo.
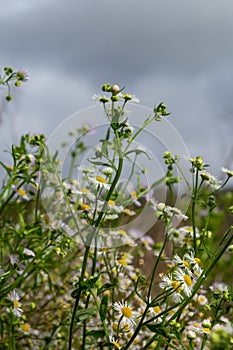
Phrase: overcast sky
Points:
(179, 52)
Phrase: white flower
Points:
(23, 75)
(171, 284)
(126, 314)
(185, 279)
(99, 182)
(14, 297)
(210, 180)
(28, 252)
(227, 171)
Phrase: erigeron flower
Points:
(191, 335)
(28, 252)
(219, 288)
(107, 171)
(99, 182)
(86, 169)
(201, 299)
(228, 172)
(22, 75)
(126, 315)
(155, 311)
(128, 212)
(114, 342)
(60, 225)
(210, 180)
(25, 328)
(14, 297)
(99, 98)
(22, 193)
(185, 279)
(134, 198)
(169, 283)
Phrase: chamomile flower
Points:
(126, 315)
(14, 297)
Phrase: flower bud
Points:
(115, 89)
(106, 87)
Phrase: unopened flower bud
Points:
(106, 87)
(115, 89)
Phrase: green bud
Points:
(106, 87)
(114, 98)
(226, 296)
(127, 97)
(230, 209)
(161, 109)
(18, 83)
(104, 99)
(167, 154)
(8, 98)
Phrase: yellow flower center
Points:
(116, 344)
(206, 330)
(127, 212)
(126, 311)
(188, 280)
(85, 190)
(25, 327)
(134, 194)
(16, 303)
(198, 261)
(122, 232)
(110, 202)
(21, 192)
(85, 207)
(157, 309)
(123, 262)
(186, 264)
(100, 179)
(176, 286)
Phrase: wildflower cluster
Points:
(10, 75)
(78, 271)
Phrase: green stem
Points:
(194, 197)
(92, 235)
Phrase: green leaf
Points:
(156, 328)
(105, 287)
(138, 151)
(103, 307)
(75, 293)
(85, 314)
(96, 334)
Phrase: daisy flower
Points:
(126, 315)
(14, 297)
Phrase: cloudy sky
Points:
(179, 52)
